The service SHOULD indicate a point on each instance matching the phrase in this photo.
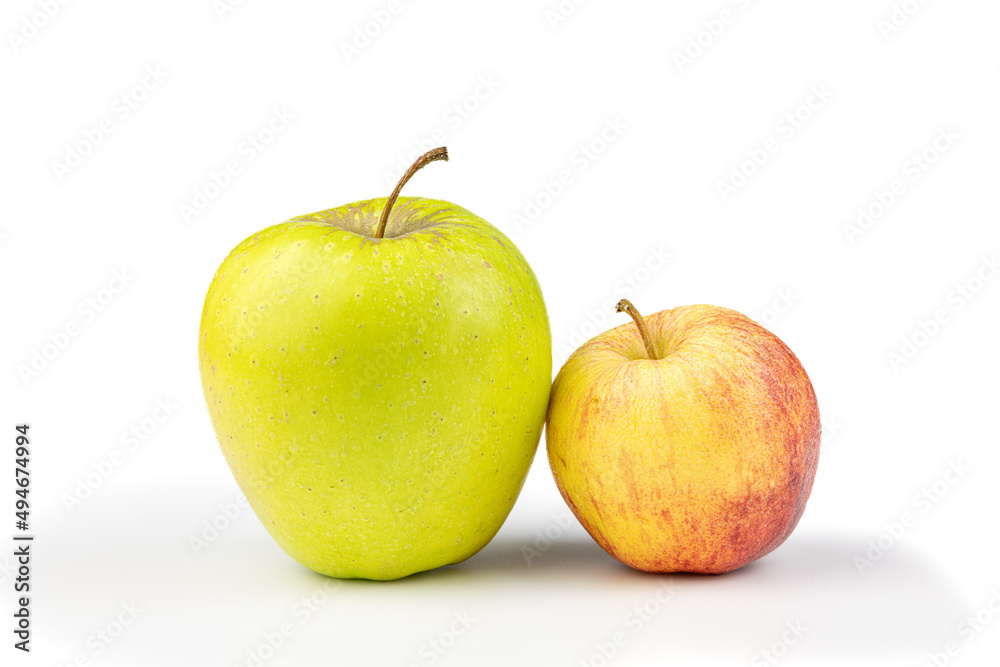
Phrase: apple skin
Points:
(699, 461)
(379, 401)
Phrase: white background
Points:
(779, 248)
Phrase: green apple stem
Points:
(626, 306)
(422, 161)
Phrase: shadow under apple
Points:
(901, 608)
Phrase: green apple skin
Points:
(379, 401)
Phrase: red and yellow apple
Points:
(685, 442)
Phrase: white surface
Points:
(889, 432)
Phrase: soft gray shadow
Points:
(902, 607)
(898, 610)
(511, 555)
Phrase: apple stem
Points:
(422, 161)
(626, 306)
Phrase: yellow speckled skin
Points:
(699, 461)
(379, 401)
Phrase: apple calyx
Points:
(625, 306)
(422, 161)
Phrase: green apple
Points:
(687, 442)
(377, 376)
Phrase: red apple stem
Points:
(626, 306)
(422, 161)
